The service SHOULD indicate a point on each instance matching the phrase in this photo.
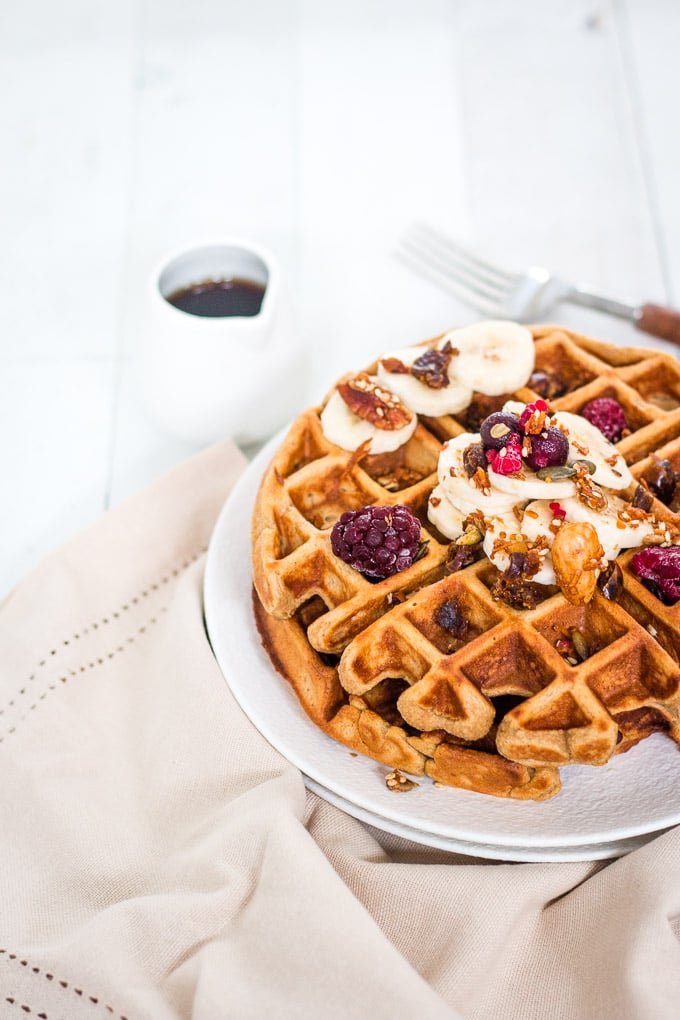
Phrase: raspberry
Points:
(378, 541)
(608, 416)
(508, 460)
(659, 570)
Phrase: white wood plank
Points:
(55, 423)
(650, 35)
(555, 176)
(64, 123)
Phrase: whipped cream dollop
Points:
(524, 509)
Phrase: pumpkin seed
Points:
(555, 472)
(592, 468)
(580, 645)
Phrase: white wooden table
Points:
(544, 132)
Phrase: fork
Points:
(523, 296)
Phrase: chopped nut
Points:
(399, 783)
(395, 366)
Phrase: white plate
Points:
(601, 811)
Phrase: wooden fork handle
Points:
(659, 321)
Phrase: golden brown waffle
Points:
(495, 705)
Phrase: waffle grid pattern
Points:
(369, 661)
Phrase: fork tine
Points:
(458, 272)
(457, 254)
(443, 280)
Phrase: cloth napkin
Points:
(160, 860)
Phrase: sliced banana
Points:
(460, 489)
(586, 442)
(531, 486)
(346, 429)
(614, 530)
(417, 395)
(493, 357)
(508, 523)
(444, 515)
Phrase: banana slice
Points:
(460, 490)
(444, 515)
(494, 357)
(508, 523)
(614, 528)
(417, 395)
(346, 429)
(531, 486)
(586, 442)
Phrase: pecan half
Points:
(372, 402)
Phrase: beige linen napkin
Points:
(160, 860)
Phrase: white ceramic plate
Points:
(600, 812)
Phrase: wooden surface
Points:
(542, 132)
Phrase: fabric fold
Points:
(160, 860)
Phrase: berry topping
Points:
(378, 541)
(557, 510)
(659, 570)
(497, 429)
(608, 416)
(549, 448)
(662, 479)
(507, 461)
(547, 384)
(532, 418)
(450, 616)
(474, 458)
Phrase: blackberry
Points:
(378, 541)
(608, 416)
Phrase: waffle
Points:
(493, 705)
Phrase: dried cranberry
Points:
(473, 458)
(549, 448)
(608, 416)
(432, 367)
(378, 541)
(642, 498)
(547, 384)
(659, 570)
(450, 616)
(661, 479)
(497, 429)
